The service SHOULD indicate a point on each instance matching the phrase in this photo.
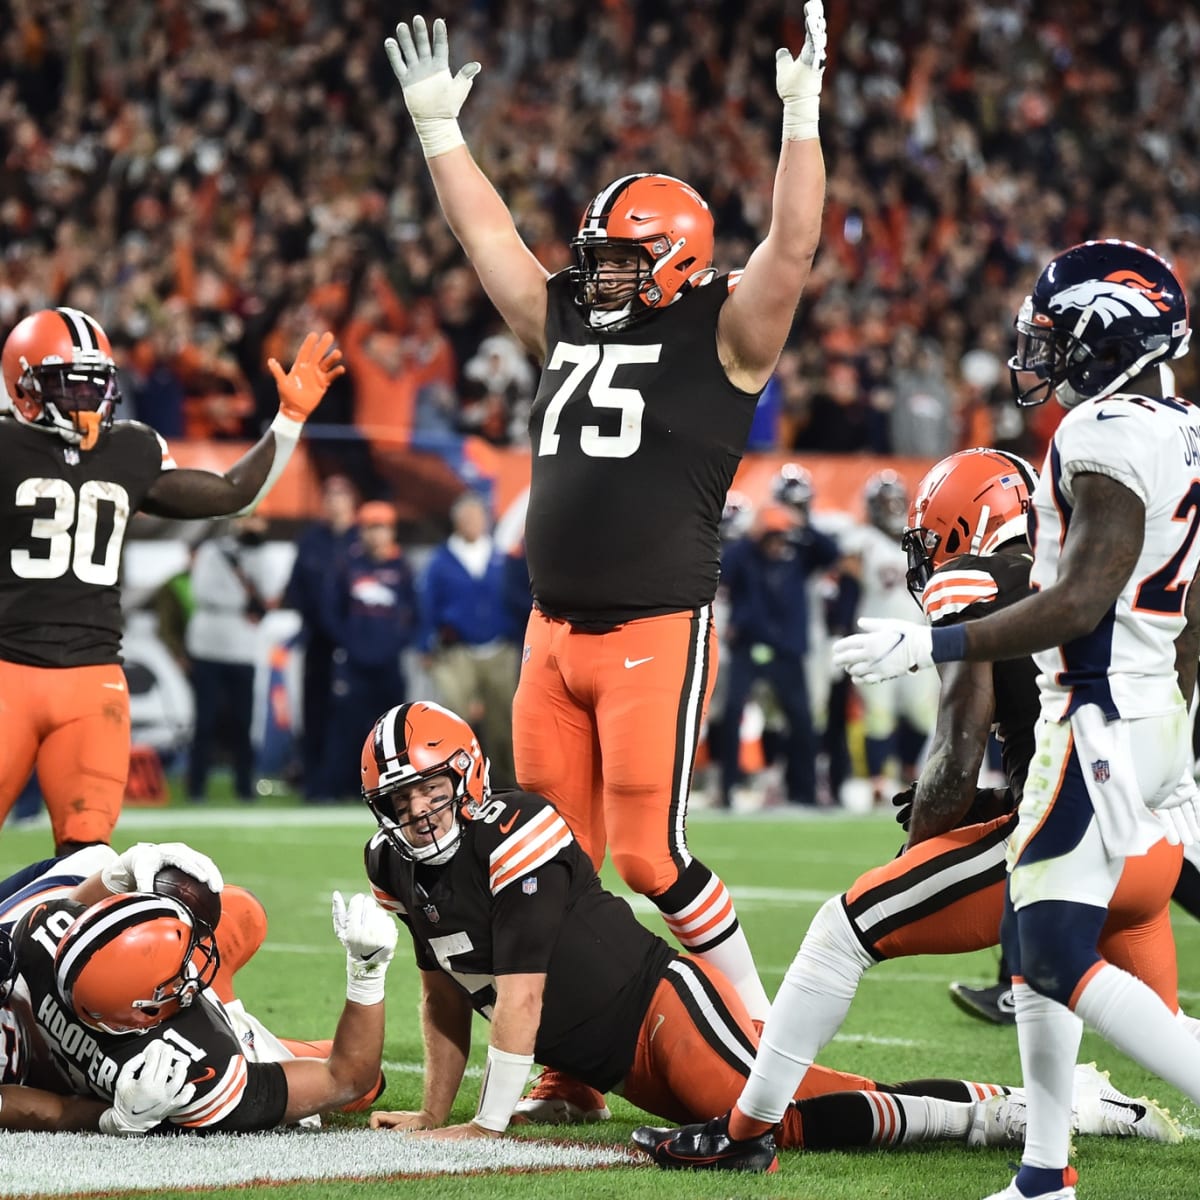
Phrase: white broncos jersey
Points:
(884, 592)
(1126, 665)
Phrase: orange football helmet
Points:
(666, 223)
(60, 375)
(969, 503)
(132, 961)
(422, 740)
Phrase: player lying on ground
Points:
(508, 919)
(100, 972)
(945, 893)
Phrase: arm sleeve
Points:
(263, 1102)
(525, 923)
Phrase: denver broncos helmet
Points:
(669, 227)
(886, 499)
(793, 486)
(1099, 315)
(131, 961)
(60, 375)
(970, 503)
(422, 740)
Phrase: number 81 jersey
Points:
(1126, 665)
(63, 517)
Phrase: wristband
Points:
(365, 982)
(111, 1123)
(287, 436)
(504, 1080)
(438, 135)
(948, 643)
(800, 118)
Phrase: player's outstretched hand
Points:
(151, 1087)
(431, 93)
(135, 870)
(317, 365)
(403, 1122)
(884, 649)
(369, 937)
(798, 79)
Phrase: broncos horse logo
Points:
(1121, 294)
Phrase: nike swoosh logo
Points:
(657, 1025)
(141, 1112)
(209, 1073)
(1110, 416)
(505, 826)
(630, 663)
(377, 950)
(1138, 1110)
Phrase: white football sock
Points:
(1133, 1017)
(809, 1009)
(1191, 1024)
(901, 1120)
(733, 959)
(1048, 1035)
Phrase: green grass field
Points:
(902, 1024)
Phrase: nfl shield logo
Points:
(432, 913)
(71, 456)
(529, 885)
(525, 654)
(1100, 770)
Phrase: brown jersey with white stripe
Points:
(973, 586)
(64, 513)
(520, 897)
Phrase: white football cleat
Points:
(1099, 1108)
(998, 1121)
(1012, 1193)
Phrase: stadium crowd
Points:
(211, 179)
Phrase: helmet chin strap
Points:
(985, 513)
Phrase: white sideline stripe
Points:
(75, 1163)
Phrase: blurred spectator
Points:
(321, 551)
(765, 577)
(194, 174)
(468, 634)
(229, 582)
(371, 615)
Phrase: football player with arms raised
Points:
(1115, 554)
(70, 480)
(652, 366)
(968, 556)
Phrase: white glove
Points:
(151, 1087)
(369, 935)
(432, 95)
(135, 870)
(1180, 813)
(798, 80)
(885, 649)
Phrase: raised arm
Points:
(756, 319)
(195, 494)
(512, 277)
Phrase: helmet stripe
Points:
(602, 205)
(82, 335)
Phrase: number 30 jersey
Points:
(635, 437)
(63, 517)
(1126, 665)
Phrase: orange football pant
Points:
(606, 726)
(73, 723)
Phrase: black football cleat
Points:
(707, 1147)
(994, 1004)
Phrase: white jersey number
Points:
(445, 948)
(63, 552)
(604, 360)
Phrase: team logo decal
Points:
(529, 885)
(1100, 771)
(1122, 294)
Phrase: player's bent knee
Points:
(646, 876)
(1058, 945)
(831, 950)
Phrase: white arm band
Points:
(504, 1080)
(287, 435)
(438, 135)
(800, 119)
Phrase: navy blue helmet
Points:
(1100, 314)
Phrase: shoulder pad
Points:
(955, 588)
(525, 833)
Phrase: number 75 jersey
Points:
(63, 517)
(1126, 665)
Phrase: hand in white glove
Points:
(798, 80)
(885, 649)
(369, 936)
(151, 1087)
(432, 95)
(1180, 813)
(135, 870)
